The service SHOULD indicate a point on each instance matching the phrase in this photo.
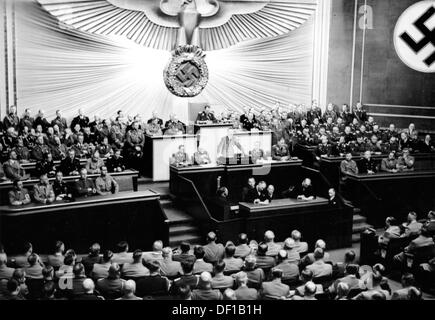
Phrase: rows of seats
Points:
(246, 270)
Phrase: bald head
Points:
(129, 287)
(88, 285)
(321, 244)
(158, 245)
(269, 236)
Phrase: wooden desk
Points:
(392, 194)
(315, 219)
(158, 151)
(132, 216)
(279, 173)
(330, 166)
(127, 181)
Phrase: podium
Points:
(209, 136)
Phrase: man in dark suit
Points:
(213, 251)
(155, 116)
(258, 194)
(26, 120)
(334, 200)
(81, 119)
(11, 119)
(368, 165)
(84, 186)
(206, 115)
(70, 165)
(304, 191)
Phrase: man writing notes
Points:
(304, 191)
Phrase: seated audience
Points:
(70, 166)
(154, 284)
(275, 289)
(21, 261)
(406, 162)
(411, 227)
(5, 271)
(255, 274)
(375, 292)
(101, 269)
(92, 258)
(368, 165)
(34, 270)
(105, 184)
(122, 255)
(319, 267)
(13, 169)
(232, 264)
(242, 249)
(390, 164)
(116, 162)
(409, 291)
(392, 230)
(200, 265)
(186, 279)
(272, 247)
(180, 158)
(263, 261)
(56, 259)
(89, 291)
(135, 269)
(156, 254)
(348, 165)
(129, 291)
(43, 191)
(309, 258)
(184, 255)
(111, 286)
(204, 290)
(350, 279)
(60, 188)
(84, 186)
(290, 270)
(221, 281)
(243, 292)
(213, 251)
(18, 196)
(95, 163)
(169, 267)
(300, 246)
(280, 151)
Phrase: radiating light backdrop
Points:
(61, 68)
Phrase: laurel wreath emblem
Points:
(180, 56)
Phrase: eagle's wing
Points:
(139, 20)
(240, 20)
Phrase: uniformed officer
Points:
(281, 151)
(174, 126)
(201, 157)
(180, 157)
(206, 115)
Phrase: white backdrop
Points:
(60, 68)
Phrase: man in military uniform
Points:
(153, 128)
(206, 115)
(180, 158)
(116, 162)
(323, 149)
(11, 119)
(346, 115)
(155, 118)
(406, 161)
(173, 126)
(13, 169)
(26, 120)
(19, 195)
(360, 114)
(60, 121)
(201, 157)
(330, 113)
(281, 151)
(43, 191)
(389, 164)
(81, 119)
(105, 184)
(250, 122)
(359, 146)
(40, 149)
(348, 165)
